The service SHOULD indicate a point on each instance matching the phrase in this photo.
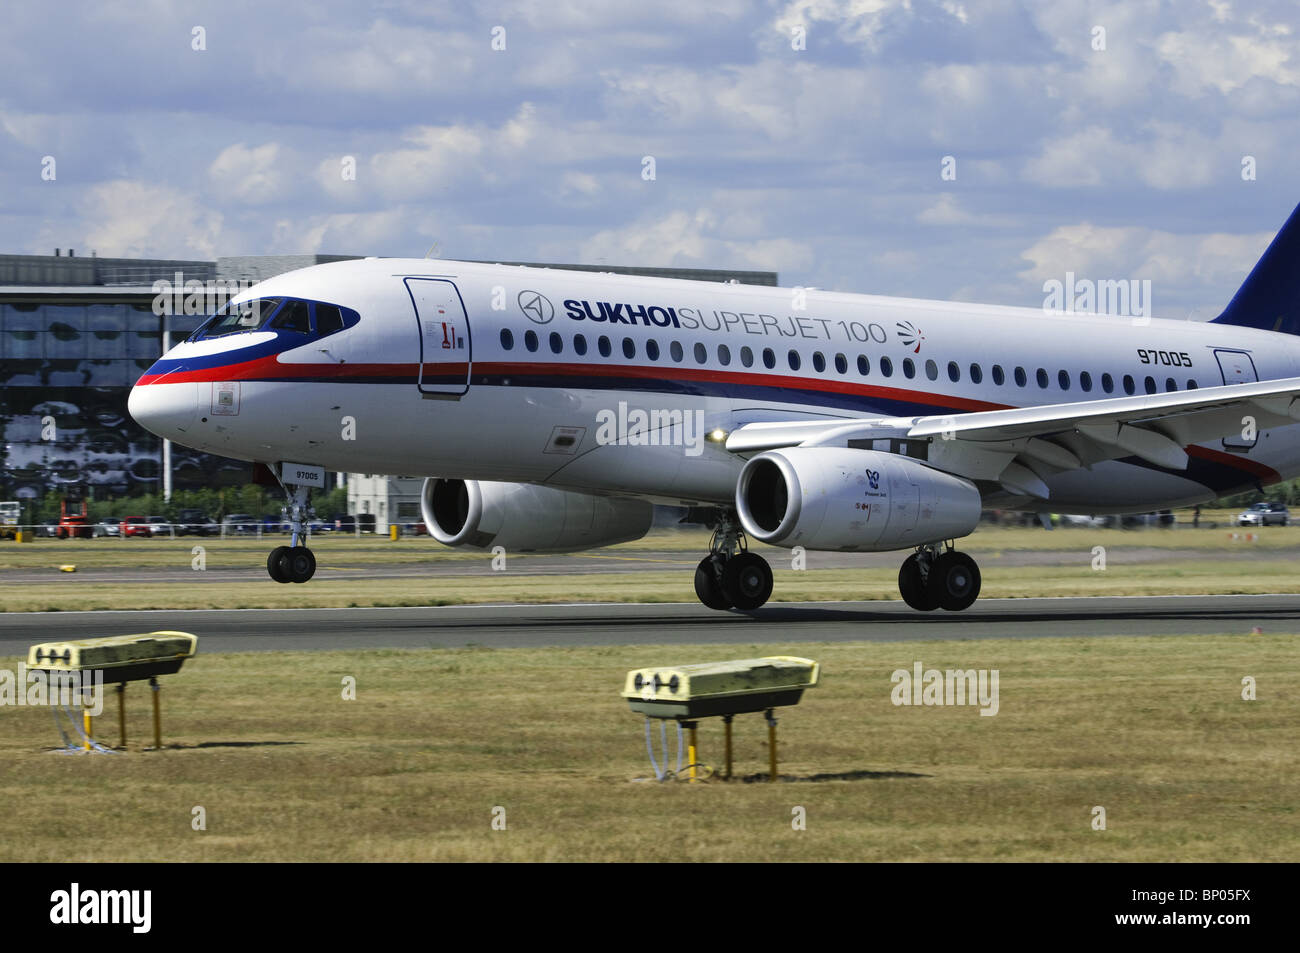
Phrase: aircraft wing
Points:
(1020, 445)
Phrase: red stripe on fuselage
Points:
(1266, 473)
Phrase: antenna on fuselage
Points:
(432, 252)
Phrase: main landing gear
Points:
(731, 576)
(295, 562)
(939, 577)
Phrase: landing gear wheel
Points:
(708, 587)
(912, 587)
(275, 564)
(954, 581)
(747, 580)
(300, 564)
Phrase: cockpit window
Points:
(293, 316)
(234, 318)
(328, 319)
(314, 318)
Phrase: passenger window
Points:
(557, 342)
(1191, 384)
(1063, 380)
(819, 362)
(1107, 383)
(1150, 384)
(507, 339)
(676, 352)
(293, 317)
(1021, 378)
(886, 367)
(724, 355)
(701, 353)
(794, 360)
(976, 374)
(954, 372)
(328, 319)
(1170, 384)
(932, 370)
(999, 377)
(580, 344)
(746, 357)
(1041, 377)
(652, 349)
(769, 358)
(1085, 381)
(841, 364)
(909, 368)
(864, 366)
(530, 340)
(1129, 386)
(603, 346)
(629, 348)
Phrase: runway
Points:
(504, 626)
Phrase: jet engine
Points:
(838, 498)
(524, 518)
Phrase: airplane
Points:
(550, 409)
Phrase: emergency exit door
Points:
(1237, 367)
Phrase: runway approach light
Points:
(685, 693)
(120, 659)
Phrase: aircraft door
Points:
(444, 337)
(1238, 368)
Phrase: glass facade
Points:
(65, 372)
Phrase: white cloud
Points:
(125, 218)
(1177, 265)
(690, 240)
(248, 175)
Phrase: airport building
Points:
(75, 334)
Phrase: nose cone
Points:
(168, 410)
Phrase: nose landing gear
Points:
(295, 562)
(730, 576)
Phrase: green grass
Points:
(1152, 729)
(1015, 561)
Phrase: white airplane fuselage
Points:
(506, 373)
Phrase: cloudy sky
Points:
(803, 136)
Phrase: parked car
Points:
(1162, 518)
(135, 526)
(108, 528)
(1087, 521)
(75, 526)
(239, 524)
(160, 525)
(194, 522)
(1265, 514)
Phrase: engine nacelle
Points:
(523, 518)
(838, 498)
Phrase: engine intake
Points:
(523, 518)
(838, 498)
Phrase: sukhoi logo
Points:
(536, 307)
(873, 479)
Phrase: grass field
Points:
(1016, 562)
(1154, 730)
